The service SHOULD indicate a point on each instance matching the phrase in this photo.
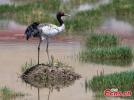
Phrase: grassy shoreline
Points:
(123, 81)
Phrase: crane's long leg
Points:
(49, 93)
(38, 94)
(39, 51)
(47, 49)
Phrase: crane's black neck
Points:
(60, 20)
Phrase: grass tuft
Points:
(105, 49)
(7, 93)
(101, 40)
(119, 55)
(27, 66)
(123, 81)
(119, 52)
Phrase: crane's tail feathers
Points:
(32, 30)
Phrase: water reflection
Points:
(114, 62)
(51, 76)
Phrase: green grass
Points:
(27, 66)
(51, 5)
(124, 81)
(40, 11)
(101, 40)
(6, 93)
(121, 9)
(113, 55)
(118, 52)
(84, 21)
(105, 49)
(31, 12)
(89, 20)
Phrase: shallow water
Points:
(13, 55)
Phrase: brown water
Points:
(13, 55)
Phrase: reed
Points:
(27, 66)
(101, 40)
(84, 21)
(28, 13)
(107, 54)
(121, 9)
(122, 81)
(6, 93)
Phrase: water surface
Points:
(13, 55)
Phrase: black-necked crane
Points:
(45, 30)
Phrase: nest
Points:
(46, 76)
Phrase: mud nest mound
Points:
(46, 76)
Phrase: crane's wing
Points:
(49, 29)
(32, 30)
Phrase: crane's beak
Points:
(67, 15)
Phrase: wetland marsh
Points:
(88, 17)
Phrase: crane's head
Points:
(32, 30)
(60, 14)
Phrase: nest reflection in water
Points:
(46, 76)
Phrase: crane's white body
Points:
(50, 30)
